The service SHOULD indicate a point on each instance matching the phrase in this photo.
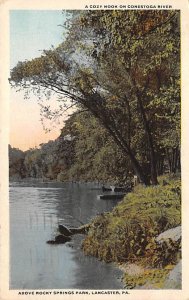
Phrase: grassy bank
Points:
(127, 234)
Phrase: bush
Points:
(128, 232)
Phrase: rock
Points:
(70, 231)
(51, 242)
(174, 280)
(132, 269)
(174, 234)
(60, 239)
(64, 230)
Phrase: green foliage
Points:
(154, 278)
(97, 157)
(128, 232)
(16, 166)
(124, 67)
(84, 151)
(50, 161)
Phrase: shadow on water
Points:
(36, 209)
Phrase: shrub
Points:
(128, 232)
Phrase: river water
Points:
(36, 209)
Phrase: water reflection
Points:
(36, 209)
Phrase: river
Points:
(36, 209)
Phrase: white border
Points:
(5, 6)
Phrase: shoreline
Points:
(131, 236)
(138, 273)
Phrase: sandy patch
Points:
(131, 269)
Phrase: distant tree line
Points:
(83, 152)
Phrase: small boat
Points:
(104, 189)
(111, 196)
(121, 189)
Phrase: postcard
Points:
(93, 149)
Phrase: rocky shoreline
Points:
(138, 276)
(142, 235)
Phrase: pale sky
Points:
(31, 31)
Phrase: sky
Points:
(31, 31)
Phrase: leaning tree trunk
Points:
(107, 120)
(128, 151)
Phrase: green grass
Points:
(128, 232)
(152, 277)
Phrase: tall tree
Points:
(115, 64)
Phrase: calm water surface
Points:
(36, 209)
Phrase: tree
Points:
(114, 64)
(148, 46)
(97, 157)
(16, 163)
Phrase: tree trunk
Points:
(175, 160)
(160, 164)
(126, 149)
(150, 141)
(178, 161)
(108, 122)
(168, 159)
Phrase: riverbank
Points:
(127, 235)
